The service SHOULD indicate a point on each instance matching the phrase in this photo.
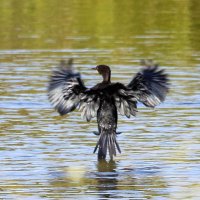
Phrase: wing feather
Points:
(150, 85)
(89, 104)
(66, 92)
(125, 100)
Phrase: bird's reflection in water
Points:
(106, 166)
(107, 180)
(107, 177)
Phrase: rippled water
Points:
(45, 156)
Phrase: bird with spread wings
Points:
(67, 92)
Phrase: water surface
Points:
(44, 156)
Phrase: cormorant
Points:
(105, 100)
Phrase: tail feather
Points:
(107, 142)
(117, 145)
(112, 150)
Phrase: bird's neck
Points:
(106, 77)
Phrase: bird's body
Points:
(106, 100)
(107, 125)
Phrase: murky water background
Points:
(44, 156)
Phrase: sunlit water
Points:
(44, 156)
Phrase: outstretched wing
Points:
(150, 85)
(66, 92)
(64, 87)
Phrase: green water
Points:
(44, 156)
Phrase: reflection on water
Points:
(107, 178)
(45, 156)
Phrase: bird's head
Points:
(105, 71)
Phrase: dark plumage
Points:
(105, 100)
